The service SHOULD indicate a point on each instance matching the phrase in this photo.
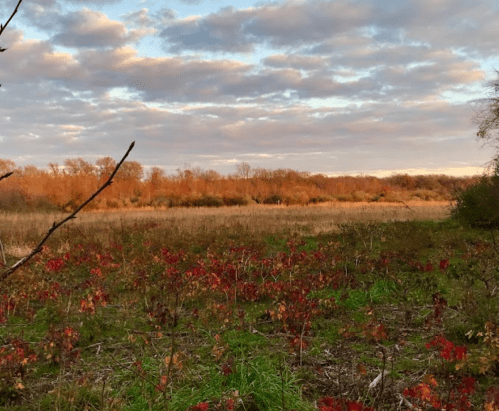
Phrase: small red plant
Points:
(458, 400)
(202, 406)
(448, 351)
(374, 331)
(335, 404)
(14, 359)
(163, 380)
(59, 345)
(444, 264)
(439, 303)
(423, 392)
(7, 306)
(98, 298)
(54, 265)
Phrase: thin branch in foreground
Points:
(2, 26)
(55, 225)
(4, 264)
(6, 175)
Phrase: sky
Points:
(335, 87)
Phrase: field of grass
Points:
(251, 308)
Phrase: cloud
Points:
(51, 124)
(92, 29)
(296, 61)
(341, 85)
(286, 24)
(138, 18)
(217, 32)
(189, 79)
(191, 2)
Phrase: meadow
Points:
(337, 306)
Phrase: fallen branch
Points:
(55, 225)
(404, 401)
(378, 379)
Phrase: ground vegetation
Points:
(148, 313)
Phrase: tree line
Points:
(64, 187)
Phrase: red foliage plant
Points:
(202, 406)
(456, 400)
(14, 358)
(448, 351)
(335, 404)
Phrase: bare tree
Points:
(77, 166)
(155, 176)
(54, 169)
(2, 27)
(131, 170)
(56, 225)
(243, 170)
(487, 119)
(105, 166)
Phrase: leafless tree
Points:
(243, 170)
(487, 119)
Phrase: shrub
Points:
(236, 200)
(298, 198)
(273, 199)
(320, 199)
(477, 206)
(165, 201)
(359, 195)
(208, 201)
(425, 194)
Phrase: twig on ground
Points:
(404, 401)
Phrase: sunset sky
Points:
(334, 87)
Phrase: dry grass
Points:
(21, 229)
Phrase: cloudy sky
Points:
(339, 87)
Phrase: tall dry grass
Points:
(18, 232)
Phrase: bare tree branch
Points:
(2, 27)
(55, 225)
(6, 175)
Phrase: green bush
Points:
(478, 205)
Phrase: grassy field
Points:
(21, 231)
(371, 307)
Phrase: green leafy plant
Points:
(477, 205)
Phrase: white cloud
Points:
(336, 85)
